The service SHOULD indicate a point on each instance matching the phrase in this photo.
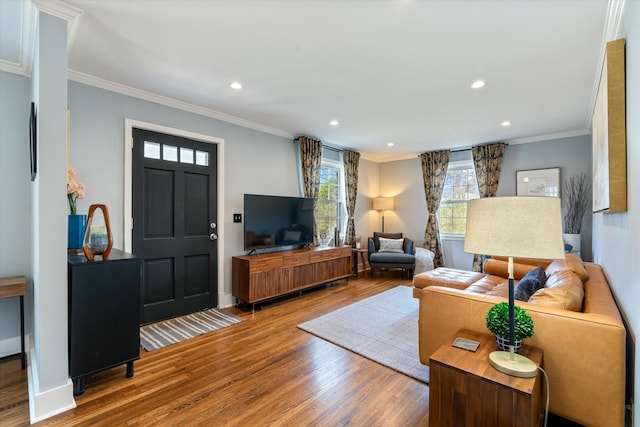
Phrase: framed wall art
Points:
(609, 134)
(538, 182)
(33, 141)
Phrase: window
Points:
(459, 187)
(329, 207)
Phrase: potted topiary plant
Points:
(498, 323)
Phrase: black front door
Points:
(174, 223)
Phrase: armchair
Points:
(396, 252)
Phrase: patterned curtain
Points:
(311, 161)
(351, 160)
(434, 173)
(487, 161)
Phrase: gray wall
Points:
(15, 201)
(97, 120)
(616, 235)
(403, 180)
(254, 162)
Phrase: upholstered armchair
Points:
(391, 250)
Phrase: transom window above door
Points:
(172, 153)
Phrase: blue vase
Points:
(76, 229)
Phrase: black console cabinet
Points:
(104, 314)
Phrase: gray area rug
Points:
(383, 328)
(161, 334)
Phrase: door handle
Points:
(213, 236)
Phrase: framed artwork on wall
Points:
(33, 141)
(609, 134)
(538, 182)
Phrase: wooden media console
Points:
(260, 277)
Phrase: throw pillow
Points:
(529, 284)
(391, 245)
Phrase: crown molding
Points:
(171, 102)
(58, 9)
(15, 68)
(549, 136)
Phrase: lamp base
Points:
(518, 366)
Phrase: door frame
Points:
(224, 300)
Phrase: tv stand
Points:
(260, 277)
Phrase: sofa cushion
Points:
(392, 258)
(529, 284)
(571, 262)
(500, 268)
(390, 245)
(447, 277)
(490, 285)
(563, 290)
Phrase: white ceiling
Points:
(387, 70)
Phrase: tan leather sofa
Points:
(583, 350)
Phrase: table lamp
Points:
(520, 227)
(383, 204)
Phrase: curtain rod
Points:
(457, 150)
(328, 147)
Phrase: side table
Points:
(465, 390)
(16, 287)
(363, 256)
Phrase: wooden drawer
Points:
(266, 264)
(331, 253)
(296, 259)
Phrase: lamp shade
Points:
(519, 227)
(383, 203)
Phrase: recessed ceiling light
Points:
(505, 123)
(236, 85)
(390, 144)
(334, 123)
(477, 84)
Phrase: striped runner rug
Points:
(167, 332)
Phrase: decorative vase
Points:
(98, 239)
(75, 231)
(573, 240)
(503, 344)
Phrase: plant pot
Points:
(503, 344)
(573, 240)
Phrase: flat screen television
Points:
(275, 221)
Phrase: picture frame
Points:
(538, 182)
(33, 141)
(609, 142)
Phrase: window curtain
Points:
(350, 160)
(487, 161)
(434, 173)
(310, 164)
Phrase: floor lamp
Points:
(383, 204)
(514, 227)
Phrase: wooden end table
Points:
(465, 390)
(16, 287)
(363, 256)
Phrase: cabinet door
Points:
(104, 315)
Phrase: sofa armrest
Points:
(583, 353)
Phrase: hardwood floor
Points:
(263, 371)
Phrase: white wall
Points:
(50, 389)
(616, 236)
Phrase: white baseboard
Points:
(46, 404)
(226, 300)
(9, 346)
